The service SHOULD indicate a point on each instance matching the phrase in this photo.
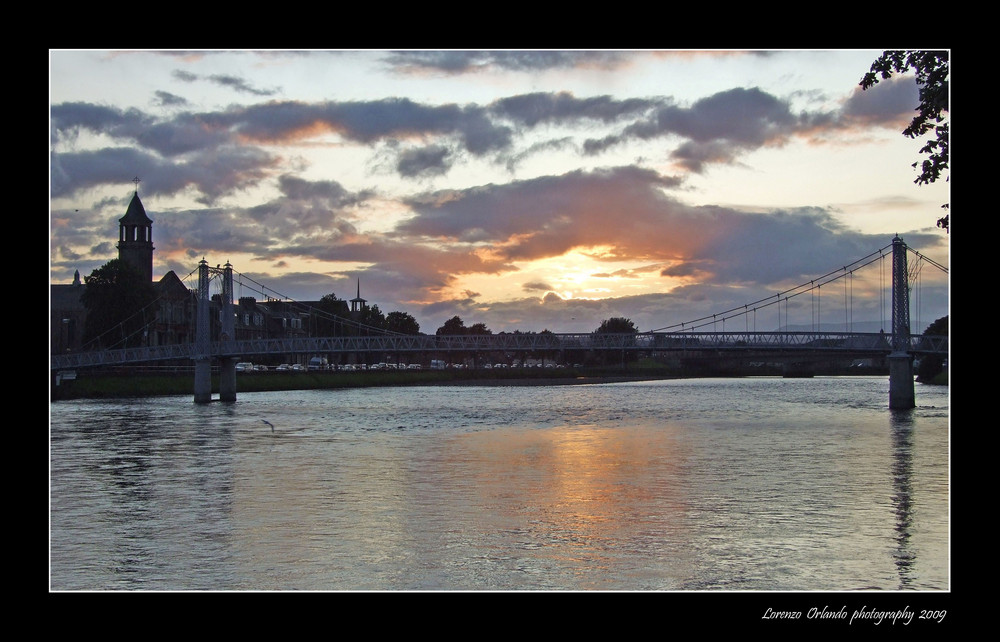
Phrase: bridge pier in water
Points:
(203, 380)
(227, 379)
(901, 393)
(203, 363)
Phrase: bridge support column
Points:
(202, 380)
(227, 379)
(901, 393)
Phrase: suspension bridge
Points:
(898, 346)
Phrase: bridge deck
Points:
(873, 344)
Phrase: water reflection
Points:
(902, 469)
(715, 485)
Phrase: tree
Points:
(402, 323)
(118, 301)
(931, 68)
(454, 325)
(932, 365)
(329, 321)
(938, 328)
(371, 318)
(616, 325)
(478, 328)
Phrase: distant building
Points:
(67, 316)
(174, 319)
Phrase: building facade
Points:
(173, 320)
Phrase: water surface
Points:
(687, 485)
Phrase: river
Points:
(754, 484)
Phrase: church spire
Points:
(135, 236)
(357, 303)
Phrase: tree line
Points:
(119, 306)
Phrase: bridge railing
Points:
(867, 343)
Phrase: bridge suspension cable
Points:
(813, 286)
(267, 292)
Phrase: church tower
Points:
(358, 304)
(135, 237)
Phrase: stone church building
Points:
(173, 319)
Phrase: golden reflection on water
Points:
(581, 498)
(578, 493)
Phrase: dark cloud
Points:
(364, 122)
(890, 102)
(66, 120)
(332, 192)
(184, 76)
(547, 216)
(537, 108)
(240, 85)
(167, 99)
(424, 161)
(744, 116)
(694, 156)
(71, 172)
(540, 286)
(627, 214)
(712, 130)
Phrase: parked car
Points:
(298, 367)
(244, 366)
(283, 367)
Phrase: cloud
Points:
(461, 62)
(425, 161)
(548, 216)
(540, 286)
(890, 103)
(167, 99)
(240, 85)
(713, 130)
(538, 108)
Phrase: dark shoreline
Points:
(114, 385)
(138, 384)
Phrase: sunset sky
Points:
(526, 190)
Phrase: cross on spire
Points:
(136, 180)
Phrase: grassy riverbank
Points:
(145, 383)
(116, 385)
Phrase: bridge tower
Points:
(227, 364)
(901, 393)
(203, 339)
